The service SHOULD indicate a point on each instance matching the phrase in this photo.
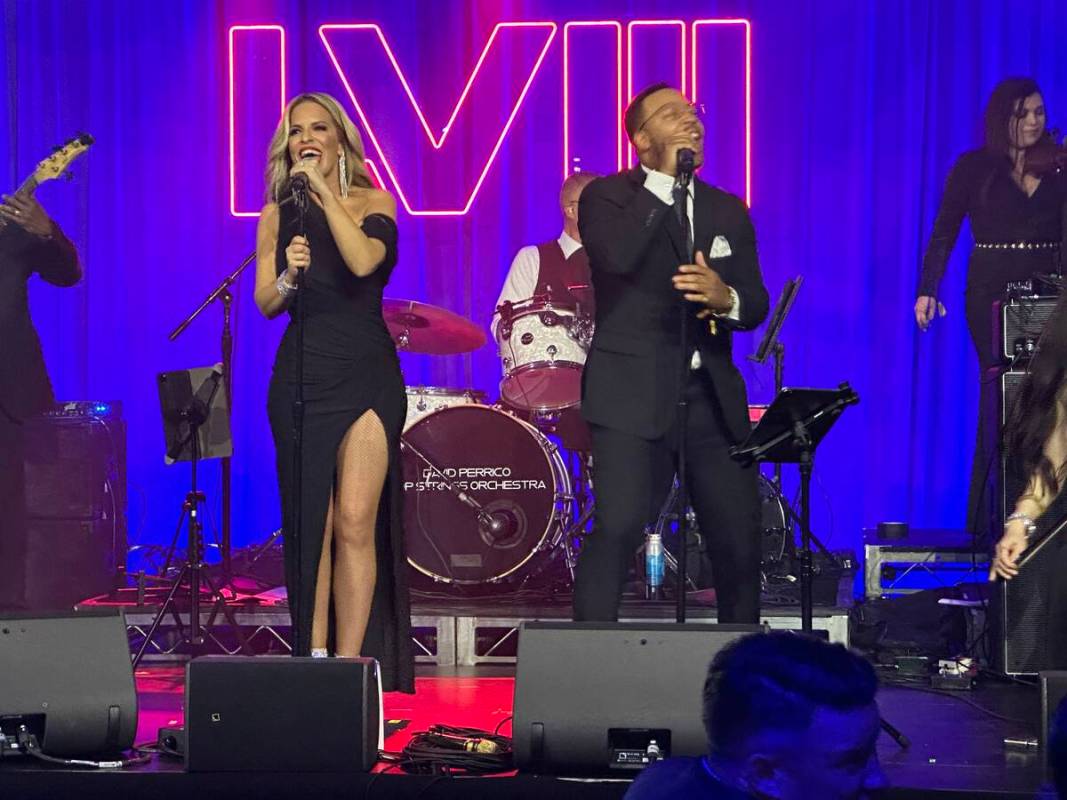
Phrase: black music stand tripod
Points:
(788, 433)
(186, 416)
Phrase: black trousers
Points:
(12, 514)
(632, 479)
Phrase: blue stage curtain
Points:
(859, 109)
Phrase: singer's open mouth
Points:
(309, 152)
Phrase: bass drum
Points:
(484, 493)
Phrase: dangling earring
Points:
(342, 174)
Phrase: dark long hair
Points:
(1033, 419)
(1003, 109)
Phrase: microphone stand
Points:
(685, 176)
(300, 200)
(222, 293)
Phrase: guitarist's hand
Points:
(27, 213)
(1009, 548)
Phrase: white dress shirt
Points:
(522, 277)
(662, 186)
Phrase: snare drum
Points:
(484, 493)
(423, 400)
(542, 350)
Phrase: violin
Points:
(1046, 156)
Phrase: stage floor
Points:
(956, 750)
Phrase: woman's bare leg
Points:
(362, 463)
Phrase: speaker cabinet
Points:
(1022, 604)
(68, 678)
(67, 561)
(76, 468)
(75, 536)
(591, 698)
(1010, 484)
(281, 714)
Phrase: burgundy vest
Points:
(556, 273)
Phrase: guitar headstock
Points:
(57, 163)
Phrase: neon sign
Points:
(711, 59)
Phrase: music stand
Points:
(788, 433)
(770, 341)
(196, 426)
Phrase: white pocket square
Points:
(720, 248)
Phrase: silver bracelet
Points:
(1026, 519)
(285, 289)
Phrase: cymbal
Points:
(424, 328)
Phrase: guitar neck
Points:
(27, 187)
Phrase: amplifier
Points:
(86, 408)
(1019, 325)
(76, 464)
(74, 542)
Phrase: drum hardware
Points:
(776, 532)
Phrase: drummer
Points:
(549, 269)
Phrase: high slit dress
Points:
(350, 367)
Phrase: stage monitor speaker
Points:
(281, 714)
(590, 698)
(68, 679)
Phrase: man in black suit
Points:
(29, 242)
(636, 372)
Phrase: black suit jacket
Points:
(635, 368)
(24, 386)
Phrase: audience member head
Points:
(791, 717)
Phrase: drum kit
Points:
(489, 496)
(494, 493)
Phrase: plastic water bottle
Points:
(653, 564)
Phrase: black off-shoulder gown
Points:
(350, 367)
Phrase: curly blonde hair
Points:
(279, 163)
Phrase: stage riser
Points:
(441, 640)
(479, 639)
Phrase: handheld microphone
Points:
(686, 165)
(299, 182)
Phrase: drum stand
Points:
(583, 510)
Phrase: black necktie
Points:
(681, 196)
